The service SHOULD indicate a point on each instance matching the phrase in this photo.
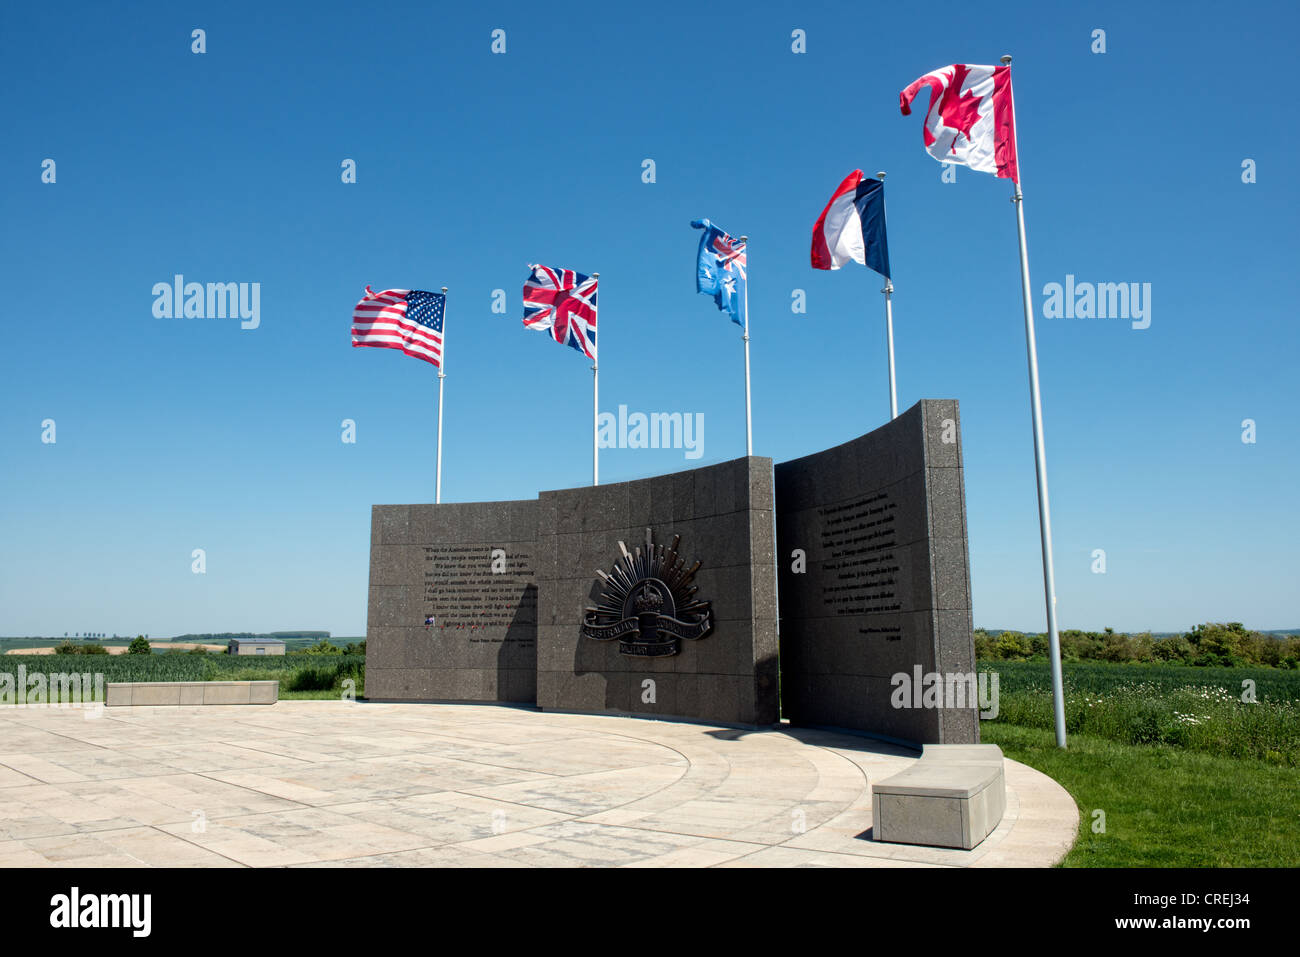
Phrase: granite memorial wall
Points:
(659, 597)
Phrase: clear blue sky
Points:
(176, 434)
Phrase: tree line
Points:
(215, 637)
(141, 646)
(1212, 644)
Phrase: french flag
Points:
(852, 226)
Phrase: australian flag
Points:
(720, 270)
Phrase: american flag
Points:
(562, 302)
(406, 319)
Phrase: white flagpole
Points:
(889, 334)
(889, 338)
(1040, 454)
(595, 409)
(442, 361)
(749, 421)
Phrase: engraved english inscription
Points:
(463, 592)
(859, 539)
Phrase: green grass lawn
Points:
(1165, 806)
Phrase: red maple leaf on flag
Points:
(958, 112)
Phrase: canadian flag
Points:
(971, 120)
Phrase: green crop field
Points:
(1227, 712)
(1272, 683)
(296, 673)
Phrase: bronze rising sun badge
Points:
(649, 602)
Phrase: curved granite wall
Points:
(537, 602)
(874, 582)
(723, 515)
(508, 585)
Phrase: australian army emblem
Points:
(649, 602)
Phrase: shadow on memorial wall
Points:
(517, 655)
(594, 657)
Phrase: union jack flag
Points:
(729, 250)
(562, 302)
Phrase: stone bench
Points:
(953, 796)
(131, 693)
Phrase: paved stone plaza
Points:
(358, 784)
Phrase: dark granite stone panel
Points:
(472, 566)
(723, 514)
(877, 530)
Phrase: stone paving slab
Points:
(356, 784)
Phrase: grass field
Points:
(1164, 806)
(1185, 772)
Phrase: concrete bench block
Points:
(176, 693)
(986, 754)
(263, 692)
(975, 754)
(226, 692)
(156, 694)
(946, 799)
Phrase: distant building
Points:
(255, 646)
